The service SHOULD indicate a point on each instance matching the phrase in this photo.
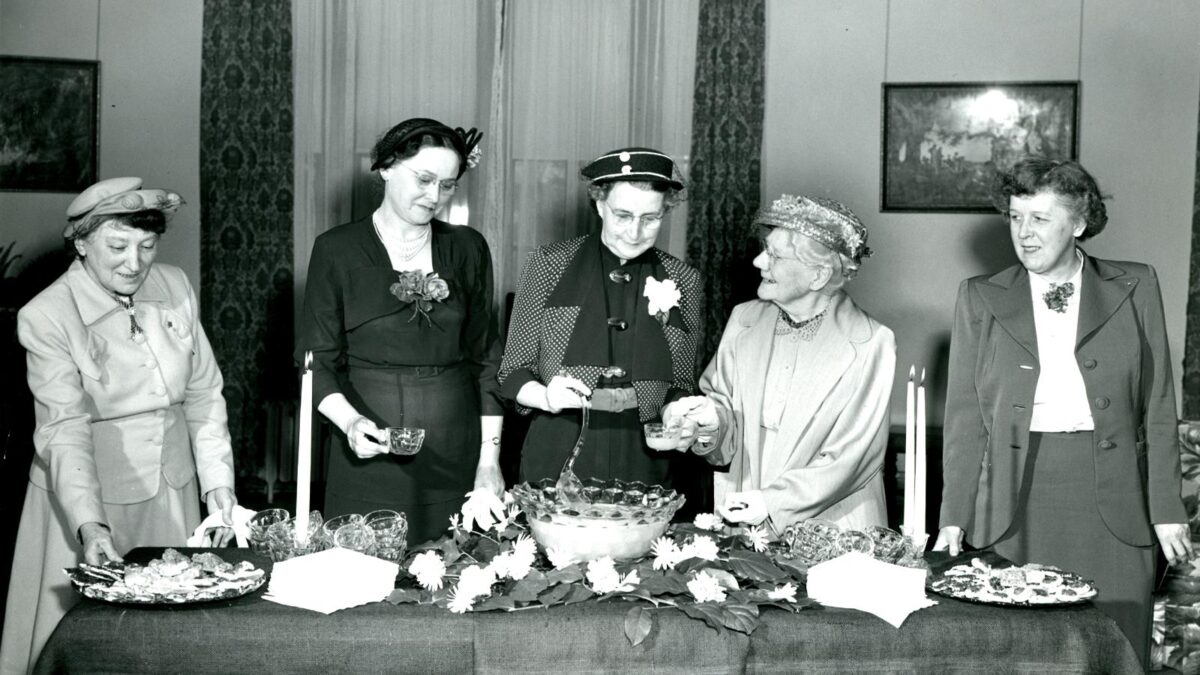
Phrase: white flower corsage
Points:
(664, 296)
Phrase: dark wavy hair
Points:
(1067, 179)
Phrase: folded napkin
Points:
(241, 528)
(331, 580)
(858, 581)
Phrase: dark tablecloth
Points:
(251, 635)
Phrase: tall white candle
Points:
(304, 453)
(910, 452)
(919, 476)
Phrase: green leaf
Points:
(566, 575)
(658, 583)
(638, 622)
(578, 593)
(725, 579)
(404, 595)
(742, 618)
(755, 566)
(450, 551)
(528, 589)
(495, 602)
(708, 612)
(555, 595)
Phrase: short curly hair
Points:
(1065, 178)
(598, 192)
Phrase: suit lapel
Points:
(1007, 296)
(1101, 294)
(755, 342)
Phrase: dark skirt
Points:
(427, 487)
(1058, 523)
(614, 448)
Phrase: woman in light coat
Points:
(131, 424)
(795, 404)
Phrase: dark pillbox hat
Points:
(632, 164)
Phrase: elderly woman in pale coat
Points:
(796, 400)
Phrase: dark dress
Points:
(584, 315)
(400, 370)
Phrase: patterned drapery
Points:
(246, 210)
(1191, 345)
(727, 123)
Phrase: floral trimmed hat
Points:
(824, 220)
(118, 195)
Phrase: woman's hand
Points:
(1176, 541)
(221, 499)
(97, 544)
(949, 539)
(489, 478)
(564, 391)
(745, 507)
(695, 415)
(363, 437)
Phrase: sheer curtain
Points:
(582, 78)
(554, 82)
(361, 66)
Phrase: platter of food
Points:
(172, 579)
(1031, 585)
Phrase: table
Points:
(252, 635)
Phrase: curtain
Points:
(362, 66)
(246, 210)
(1191, 347)
(726, 157)
(547, 105)
(623, 77)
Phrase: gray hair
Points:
(808, 250)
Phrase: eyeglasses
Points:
(773, 257)
(426, 180)
(625, 218)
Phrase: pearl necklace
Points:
(405, 250)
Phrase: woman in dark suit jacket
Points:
(1060, 416)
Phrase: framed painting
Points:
(49, 122)
(944, 143)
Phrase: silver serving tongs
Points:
(569, 487)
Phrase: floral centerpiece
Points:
(716, 574)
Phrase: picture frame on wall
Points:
(943, 143)
(49, 124)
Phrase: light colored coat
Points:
(115, 416)
(830, 447)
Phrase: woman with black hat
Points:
(605, 320)
(398, 315)
(131, 425)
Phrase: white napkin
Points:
(331, 580)
(241, 528)
(858, 581)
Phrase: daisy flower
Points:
(559, 559)
(666, 553)
(460, 602)
(706, 588)
(476, 580)
(708, 521)
(429, 569)
(784, 592)
(602, 575)
(701, 547)
(758, 537)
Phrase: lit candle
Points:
(919, 467)
(304, 453)
(910, 458)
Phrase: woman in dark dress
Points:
(384, 357)
(605, 320)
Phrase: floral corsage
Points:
(422, 290)
(664, 296)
